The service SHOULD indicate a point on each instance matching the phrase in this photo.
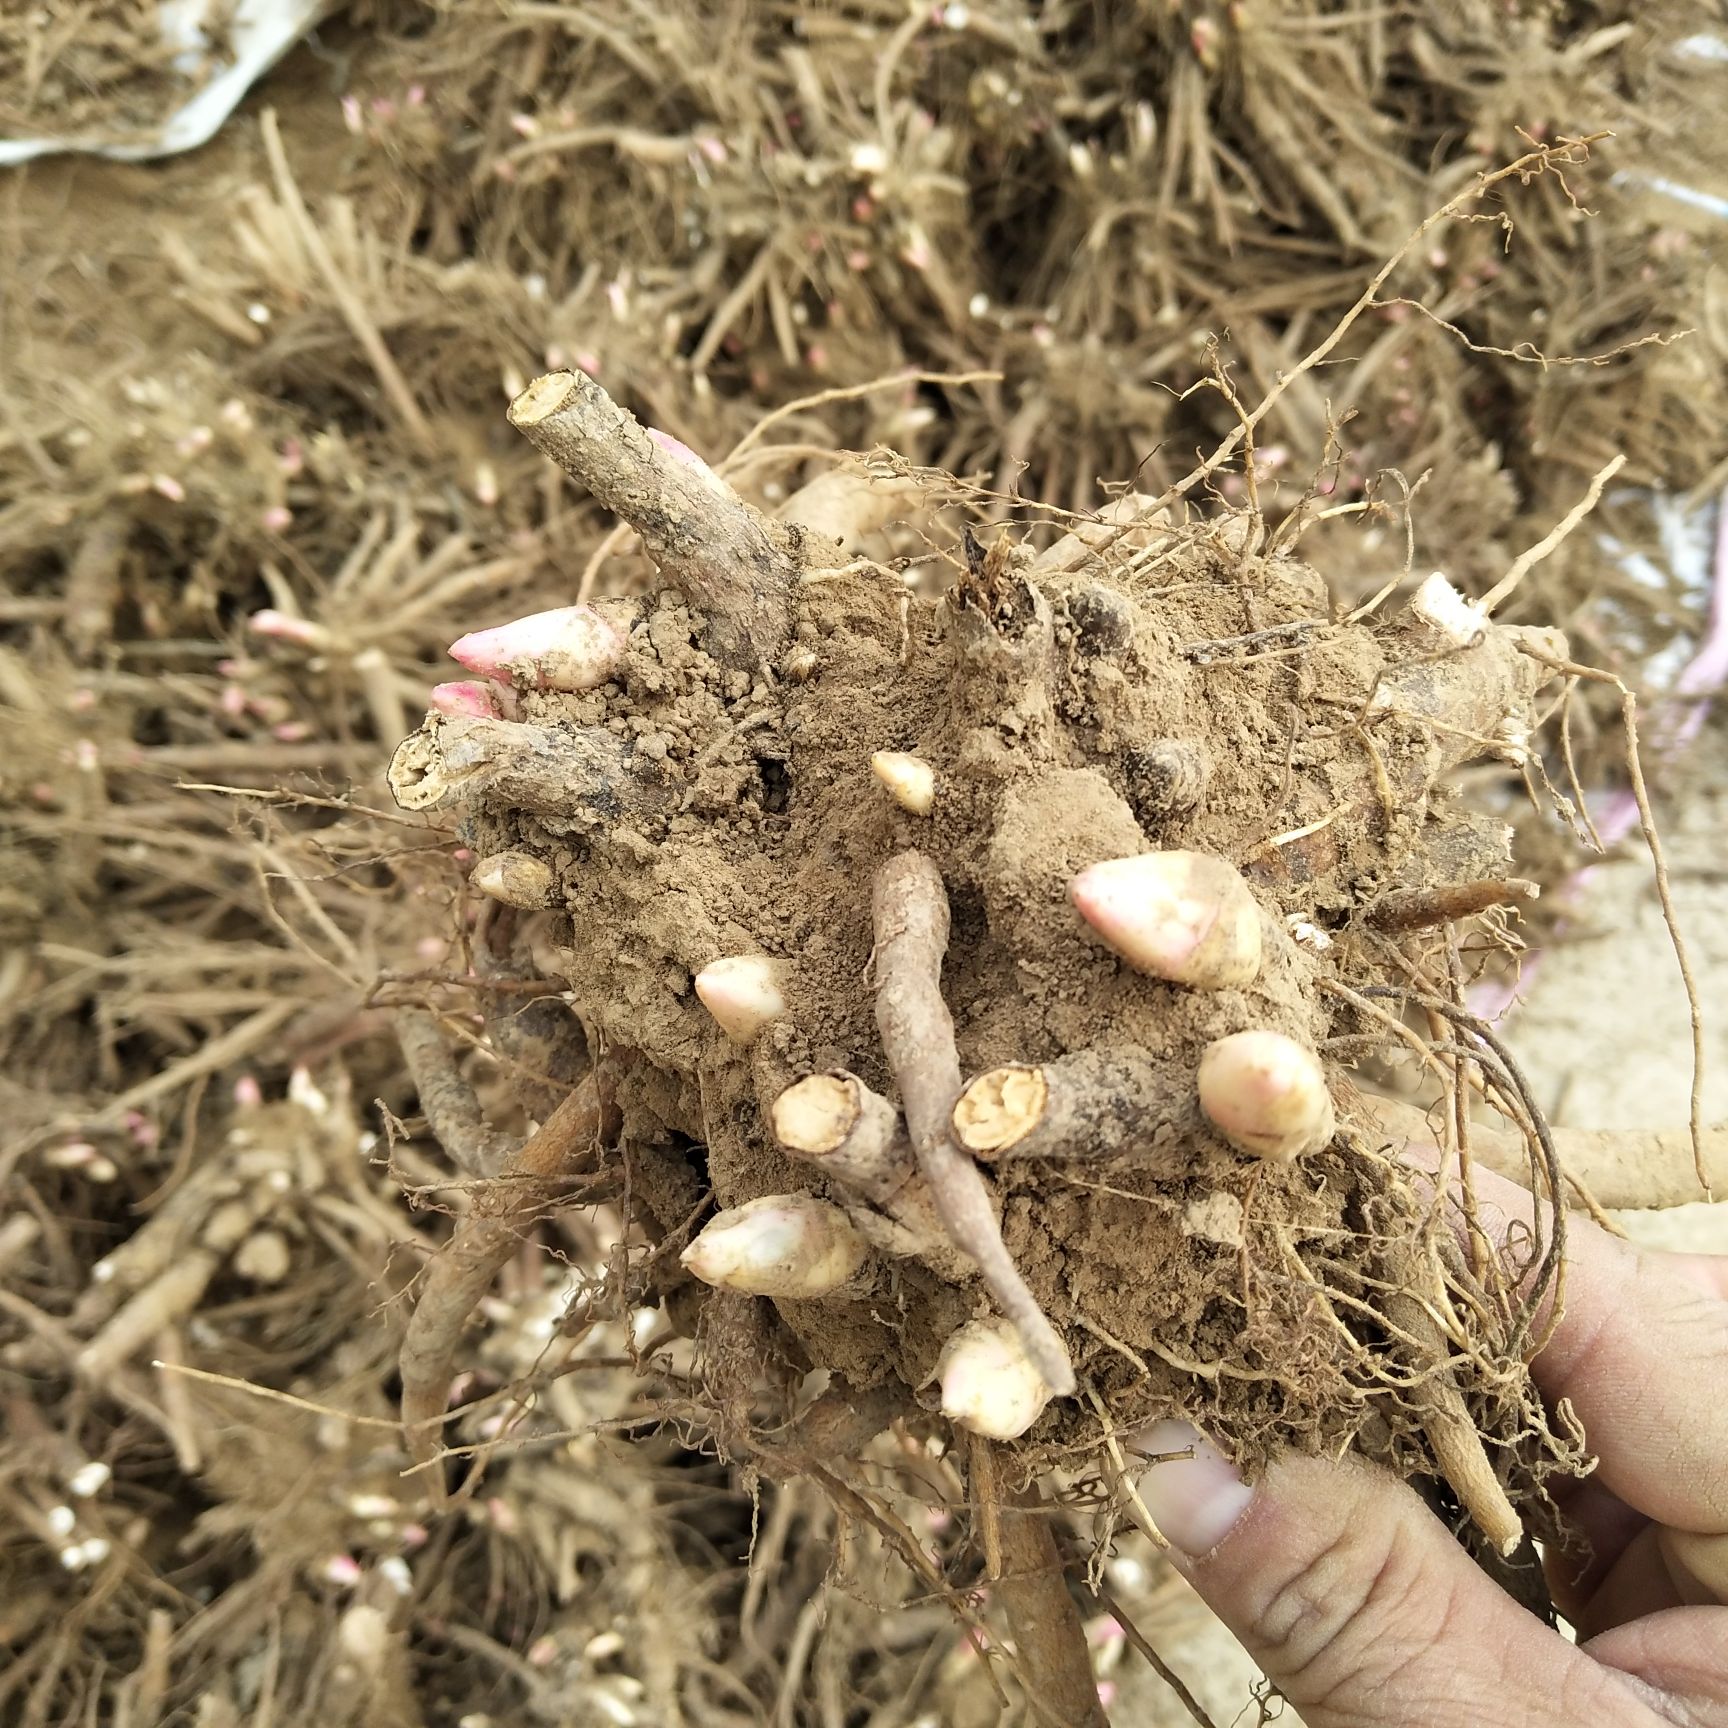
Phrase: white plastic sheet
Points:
(259, 33)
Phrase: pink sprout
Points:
(416, 95)
(676, 447)
(342, 1569)
(285, 627)
(351, 116)
(248, 1094)
(276, 519)
(233, 701)
(168, 487)
(142, 1129)
(291, 732)
(291, 457)
(466, 696)
(712, 149)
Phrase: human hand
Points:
(1366, 1613)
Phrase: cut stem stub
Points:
(735, 567)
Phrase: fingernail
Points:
(1196, 1501)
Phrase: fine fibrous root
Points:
(736, 568)
(910, 913)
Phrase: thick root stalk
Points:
(1048, 1634)
(1095, 1104)
(577, 774)
(1446, 1420)
(482, 1241)
(910, 908)
(736, 568)
(835, 1122)
(1628, 1169)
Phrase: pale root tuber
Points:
(783, 1245)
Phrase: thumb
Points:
(1358, 1604)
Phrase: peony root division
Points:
(987, 961)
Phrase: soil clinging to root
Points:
(1142, 685)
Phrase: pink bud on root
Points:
(742, 992)
(781, 1245)
(679, 451)
(1266, 1094)
(1184, 916)
(570, 648)
(988, 1382)
(285, 627)
(515, 879)
(466, 696)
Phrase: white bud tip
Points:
(515, 878)
(1266, 1094)
(909, 780)
(1184, 916)
(742, 992)
(988, 1382)
(570, 648)
(88, 1479)
(1439, 604)
(465, 697)
(781, 1245)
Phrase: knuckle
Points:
(1340, 1628)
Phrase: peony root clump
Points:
(972, 977)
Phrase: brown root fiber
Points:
(1137, 1256)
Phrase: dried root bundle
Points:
(988, 955)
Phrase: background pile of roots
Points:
(255, 476)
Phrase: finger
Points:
(1682, 1654)
(1640, 1349)
(1639, 1582)
(1701, 1559)
(1360, 1606)
(1599, 1527)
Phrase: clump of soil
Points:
(1141, 685)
